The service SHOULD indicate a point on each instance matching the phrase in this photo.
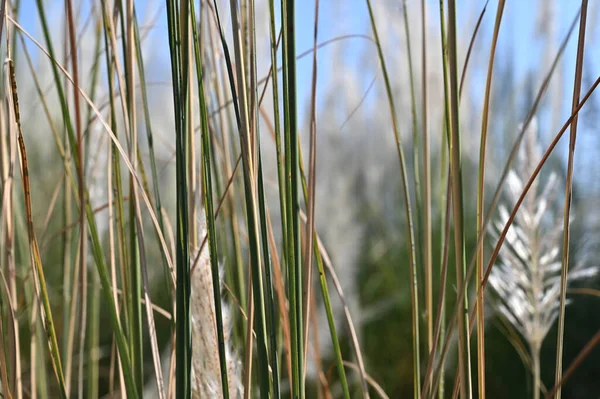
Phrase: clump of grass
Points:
(526, 279)
(214, 94)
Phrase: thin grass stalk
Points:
(316, 247)
(416, 142)
(40, 281)
(250, 38)
(117, 187)
(274, 43)
(81, 185)
(274, 40)
(112, 256)
(208, 202)
(37, 343)
(151, 151)
(316, 350)
(247, 136)
(445, 198)
(464, 355)
(410, 229)
(9, 356)
(427, 233)
(293, 224)
(470, 49)
(283, 331)
(135, 273)
(95, 74)
(140, 280)
(126, 250)
(148, 305)
(324, 258)
(7, 237)
(541, 91)
(68, 282)
(240, 106)
(190, 137)
(226, 127)
(272, 324)
(93, 350)
(440, 321)
(569, 198)
(3, 355)
(480, 204)
(585, 351)
(178, 72)
(271, 319)
(310, 198)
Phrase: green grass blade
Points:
(178, 74)
(208, 202)
(458, 207)
(407, 207)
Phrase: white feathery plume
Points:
(526, 278)
(206, 372)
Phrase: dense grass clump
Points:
(244, 199)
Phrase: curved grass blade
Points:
(568, 199)
(407, 208)
(464, 355)
(480, 203)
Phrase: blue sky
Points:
(517, 39)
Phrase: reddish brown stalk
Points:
(81, 192)
(480, 203)
(585, 351)
(310, 205)
(471, 44)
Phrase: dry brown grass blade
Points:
(370, 380)
(36, 261)
(281, 299)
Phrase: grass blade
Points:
(569, 197)
(407, 207)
